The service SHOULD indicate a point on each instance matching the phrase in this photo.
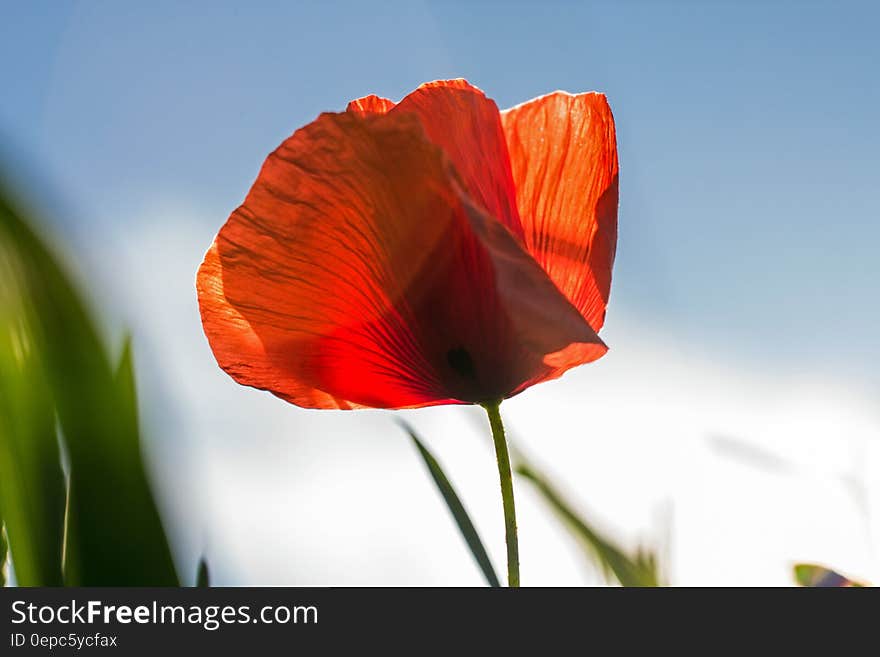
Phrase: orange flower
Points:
(433, 251)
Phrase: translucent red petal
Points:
(360, 271)
(563, 154)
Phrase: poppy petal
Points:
(563, 154)
(371, 104)
(237, 347)
(461, 120)
(551, 334)
(359, 273)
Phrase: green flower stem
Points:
(501, 453)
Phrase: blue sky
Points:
(750, 210)
(747, 267)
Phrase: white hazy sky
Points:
(735, 420)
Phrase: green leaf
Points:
(3, 550)
(112, 512)
(123, 380)
(203, 577)
(114, 533)
(456, 508)
(816, 576)
(637, 570)
(32, 489)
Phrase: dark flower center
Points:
(460, 360)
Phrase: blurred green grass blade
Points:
(203, 576)
(639, 570)
(123, 380)
(32, 489)
(816, 576)
(112, 511)
(456, 508)
(3, 546)
(114, 533)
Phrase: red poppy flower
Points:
(433, 251)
